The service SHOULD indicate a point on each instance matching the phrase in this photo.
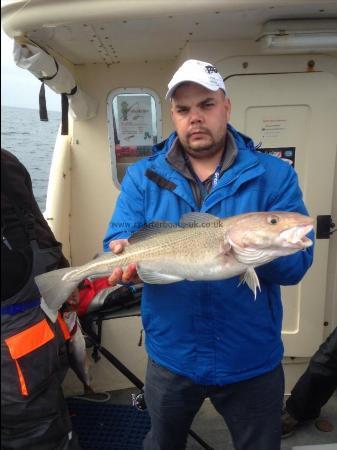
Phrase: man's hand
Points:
(130, 273)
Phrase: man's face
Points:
(200, 117)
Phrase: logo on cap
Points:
(211, 69)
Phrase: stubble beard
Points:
(206, 150)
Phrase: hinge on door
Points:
(325, 227)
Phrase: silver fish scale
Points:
(191, 245)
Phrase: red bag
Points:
(88, 290)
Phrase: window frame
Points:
(112, 145)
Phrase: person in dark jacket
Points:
(209, 339)
(34, 414)
(313, 389)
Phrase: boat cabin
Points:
(114, 60)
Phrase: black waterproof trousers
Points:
(34, 413)
(317, 384)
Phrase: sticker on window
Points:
(287, 154)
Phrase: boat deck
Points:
(211, 428)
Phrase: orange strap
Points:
(63, 326)
(24, 390)
(26, 342)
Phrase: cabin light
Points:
(298, 35)
(317, 41)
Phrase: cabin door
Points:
(294, 115)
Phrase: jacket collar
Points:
(245, 167)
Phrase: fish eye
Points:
(273, 220)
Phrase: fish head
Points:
(267, 235)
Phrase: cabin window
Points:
(134, 126)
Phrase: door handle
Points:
(325, 227)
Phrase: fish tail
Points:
(54, 286)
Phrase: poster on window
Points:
(134, 120)
(285, 153)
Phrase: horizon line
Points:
(27, 107)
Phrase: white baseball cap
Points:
(199, 72)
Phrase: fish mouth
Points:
(295, 237)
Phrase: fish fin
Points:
(251, 279)
(50, 313)
(226, 248)
(54, 289)
(196, 218)
(152, 229)
(248, 255)
(149, 275)
(225, 252)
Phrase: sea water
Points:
(32, 142)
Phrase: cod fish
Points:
(78, 360)
(201, 247)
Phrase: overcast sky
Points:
(18, 86)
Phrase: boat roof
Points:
(119, 31)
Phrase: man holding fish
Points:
(212, 338)
(213, 210)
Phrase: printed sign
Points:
(285, 153)
(134, 120)
(273, 128)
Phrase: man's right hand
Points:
(130, 273)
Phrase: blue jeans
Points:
(251, 409)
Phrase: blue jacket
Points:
(213, 332)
